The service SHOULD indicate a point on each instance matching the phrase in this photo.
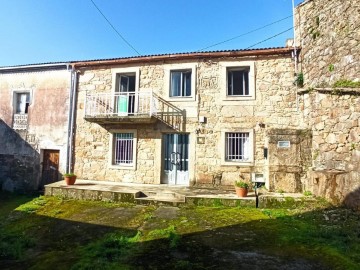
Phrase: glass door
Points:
(176, 159)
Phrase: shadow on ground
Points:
(83, 235)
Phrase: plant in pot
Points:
(241, 188)
(69, 178)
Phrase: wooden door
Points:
(50, 171)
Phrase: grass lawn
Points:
(53, 233)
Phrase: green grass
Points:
(53, 233)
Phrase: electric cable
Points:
(278, 34)
(121, 36)
(262, 27)
(244, 34)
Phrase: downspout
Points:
(71, 122)
(295, 55)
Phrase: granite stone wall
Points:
(329, 36)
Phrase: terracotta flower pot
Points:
(241, 192)
(70, 180)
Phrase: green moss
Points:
(98, 235)
(343, 83)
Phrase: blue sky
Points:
(38, 31)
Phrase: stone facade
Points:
(273, 105)
(328, 32)
(45, 124)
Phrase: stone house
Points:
(193, 119)
(34, 124)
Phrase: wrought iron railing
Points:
(130, 104)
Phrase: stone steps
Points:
(164, 197)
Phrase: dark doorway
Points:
(50, 171)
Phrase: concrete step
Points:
(161, 196)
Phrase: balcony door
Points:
(176, 159)
(125, 94)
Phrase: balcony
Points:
(20, 121)
(132, 107)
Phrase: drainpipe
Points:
(71, 122)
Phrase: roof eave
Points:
(187, 56)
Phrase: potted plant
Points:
(69, 178)
(241, 188)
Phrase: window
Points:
(125, 83)
(22, 102)
(237, 146)
(180, 83)
(238, 81)
(123, 149)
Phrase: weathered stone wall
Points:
(274, 106)
(288, 165)
(329, 36)
(47, 123)
(334, 118)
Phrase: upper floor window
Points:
(180, 83)
(238, 81)
(125, 83)
(22, 102)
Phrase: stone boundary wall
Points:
(329, 36)
(335, 121)
(19, 162)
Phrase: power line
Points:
(244, 34)
(114, 28)
(262, 27)
(269, 38)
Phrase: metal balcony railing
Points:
(20, 121)
(119, 104)
(133, 104)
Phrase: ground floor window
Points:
(123, 149)
(237, 146)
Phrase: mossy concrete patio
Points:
(170, 195)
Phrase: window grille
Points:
(237, 146)
(124, 146)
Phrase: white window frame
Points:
(167, 77)
(16, 92)
(223, 145)
(128, 70)
(112, 144)
(225, 67)
(182, 82)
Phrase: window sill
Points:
(180, 99)
(237, 98)
(122, 167)
(242, 163)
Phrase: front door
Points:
(50, 171)
(176, 159)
